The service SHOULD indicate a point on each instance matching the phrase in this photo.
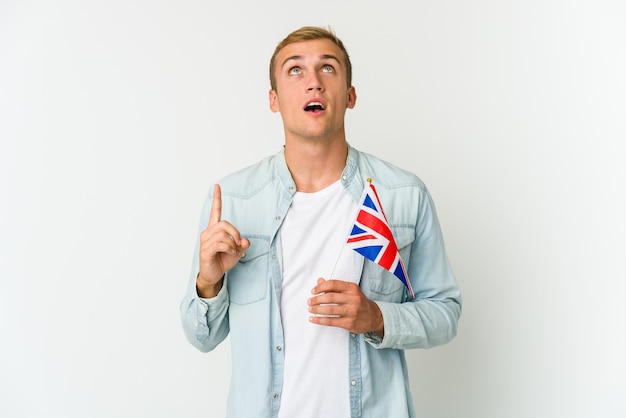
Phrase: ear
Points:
(351, 102)
(274, 107)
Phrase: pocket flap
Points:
(258, 247)
(404, 235)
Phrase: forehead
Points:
(314, 50)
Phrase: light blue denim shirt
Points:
(256, 200)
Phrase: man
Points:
(316, 330)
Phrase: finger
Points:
(225, 247)
(315, 290)
(331, 321)
(228, 230)
(328, 298)
(329, 309)
(230, 237)
(223, 241)
(331, 285)
(216, 206)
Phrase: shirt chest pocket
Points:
(381, 284)
(247, 282)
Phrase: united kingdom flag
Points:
(372, 238)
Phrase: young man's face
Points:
(311, 92)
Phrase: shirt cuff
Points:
(213, 306)
(374, 339)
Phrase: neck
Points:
(315, 165)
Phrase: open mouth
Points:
(314, 107)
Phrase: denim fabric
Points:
(255, 200)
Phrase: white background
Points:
(116, 116)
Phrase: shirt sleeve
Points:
(205, 321)
(431, 318)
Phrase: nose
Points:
(314, 82)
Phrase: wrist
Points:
(209, 290)
(379, 322)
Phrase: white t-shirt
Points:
(313, 235)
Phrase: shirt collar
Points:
(349, 178)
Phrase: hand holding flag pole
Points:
(371, 236)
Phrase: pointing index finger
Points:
(216, 206)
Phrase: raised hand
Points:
(221, 247)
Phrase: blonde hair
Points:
(310, 33)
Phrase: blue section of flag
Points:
(370, 252)
(356, 230)
(369, 203)
(399, 273)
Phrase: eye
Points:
(295, 70)
(328, 69)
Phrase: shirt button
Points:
(353, 383)
(353, 335)
(278, 218)
(276, 396)
(279, 348)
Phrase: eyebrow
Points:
(322, 57)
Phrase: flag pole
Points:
(336, 262)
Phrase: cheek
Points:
(287, 100)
